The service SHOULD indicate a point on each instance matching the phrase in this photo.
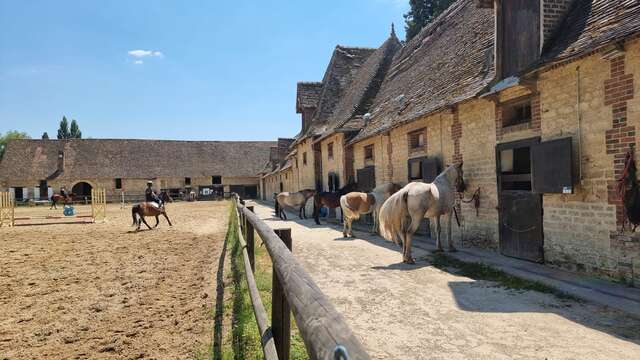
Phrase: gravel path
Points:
(420, 312)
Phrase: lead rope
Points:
(621, 188)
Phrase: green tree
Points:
(74, 130)
(45, 136)
(11, 135)
(421, 13)
(63, 131)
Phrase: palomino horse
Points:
(55, 198)
(293, 200)
(331, 200)
(355, 204)
(139, 211)
(401, 214)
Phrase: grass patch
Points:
(478, 271)
(242, 341)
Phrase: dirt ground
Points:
(420, 312)
(79, 291)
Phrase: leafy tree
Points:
(74, 131)
(423, 12)
(11, 135)
(45, 136)
(63, 131)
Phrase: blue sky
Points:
(208, 70)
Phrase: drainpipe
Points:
(579, 118)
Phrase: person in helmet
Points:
(150, 195)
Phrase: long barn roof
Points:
(114, 158)
(449, 61)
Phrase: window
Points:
(416, 140)
(516, 112)
(330, 150)
(368, 152)
(415, 169)
(187, 181)
(118, 183)
(304, 158)
(216, 180)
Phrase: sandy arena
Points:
(102, 291)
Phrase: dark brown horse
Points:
(139, 211)
(330, 200)
(55, 198)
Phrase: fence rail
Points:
(324, 331)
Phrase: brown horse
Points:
(139, 211)
(55, 198)
(330, 200)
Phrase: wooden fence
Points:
(324, 331)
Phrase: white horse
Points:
(355, 204)
(293, 200)
(401, 214)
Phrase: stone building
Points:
(538, 98)
(34, 169)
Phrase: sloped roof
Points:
(359, 96)
(345, 63)
(307, 95)
(114, 158)
(591, 24)
(449, 61)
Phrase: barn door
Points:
(366, 179)
(521, 225)
(520, 209)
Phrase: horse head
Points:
(165, 197)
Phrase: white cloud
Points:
(143, 53)
(138, 62)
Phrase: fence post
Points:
(250, 242)
(280, 309)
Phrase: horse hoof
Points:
(409, 261)
(438, 251)
(452, 249)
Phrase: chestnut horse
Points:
(356, 204)
(55, 198)
(330, 200)
(139, 211)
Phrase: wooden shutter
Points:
(366, 179)
(552, 167)
(520, 32)
(430, 169)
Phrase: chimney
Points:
(60, 161)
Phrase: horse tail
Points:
(134, 211)
(392, 216)
(277, 207)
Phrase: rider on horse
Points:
(150, 195)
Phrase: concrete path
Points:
(420, 312)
